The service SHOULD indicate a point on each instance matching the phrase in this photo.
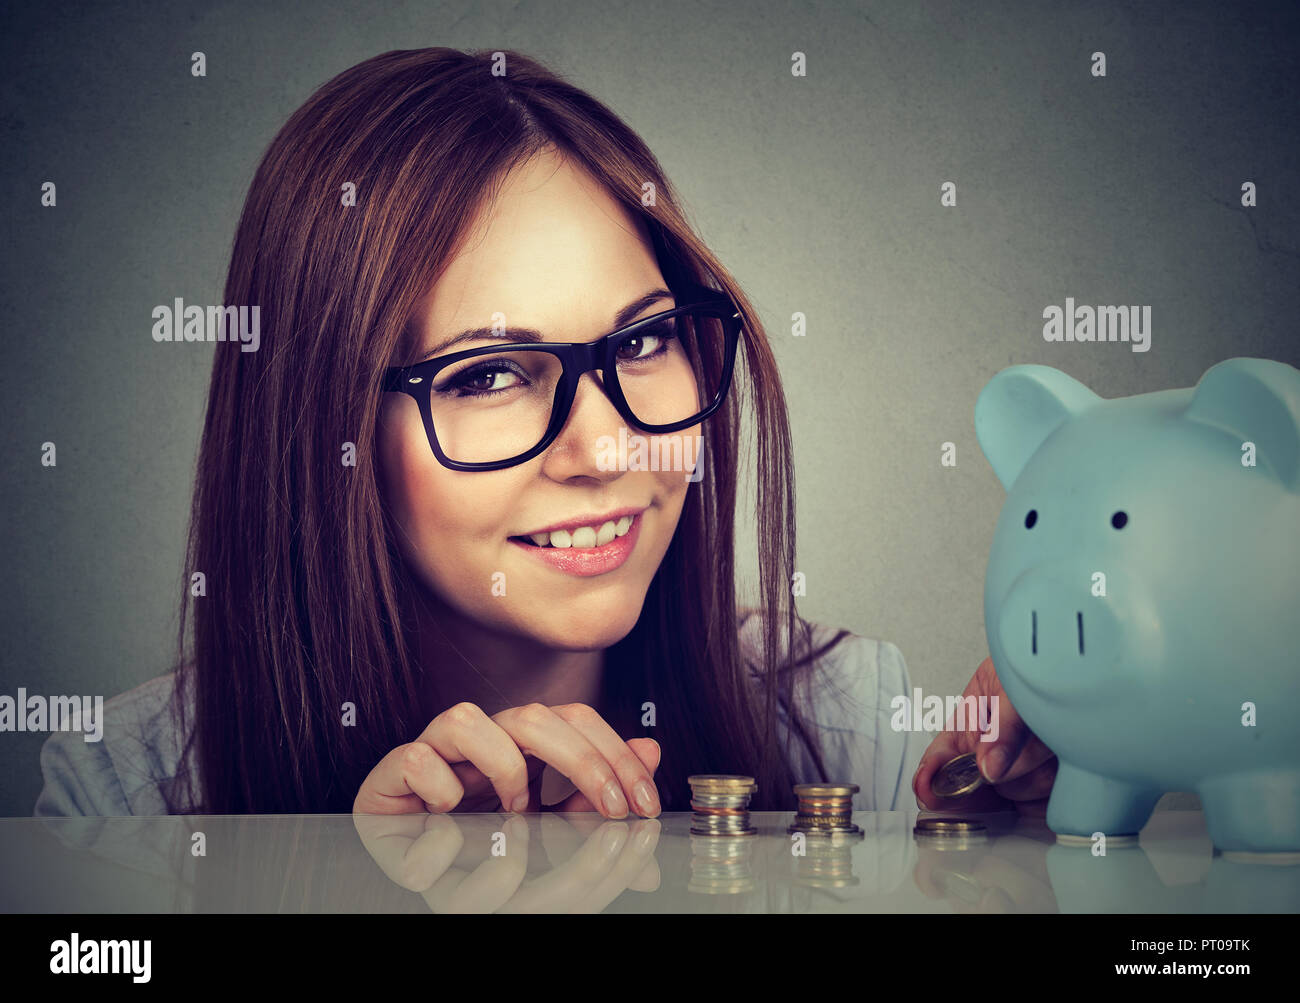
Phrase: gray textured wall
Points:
(820, 193)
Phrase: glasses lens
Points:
(494, 407)
(672, 370)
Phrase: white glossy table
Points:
(579, 863)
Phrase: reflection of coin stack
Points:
(825, 863)
(721, 866)
(825, 810)
(721, 805)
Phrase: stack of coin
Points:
(949, 833)
(957, 777)
(721, 804)
(825, 809)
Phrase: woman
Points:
(426, 575)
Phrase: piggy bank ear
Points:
(1255, 400)
(1019, 408)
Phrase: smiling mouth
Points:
(581, 538)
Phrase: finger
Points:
(649, 879)
(1015, 750)
(646, 749)
(564, 888)
(1032, 786)
(464, 733)
(480, 795)
(633, 777)
(491, 884)
(643, 837)
(411, 778)
(942, 749)
(538, 730)
(415, 864)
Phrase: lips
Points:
(585, 561)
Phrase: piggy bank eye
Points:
(1119, 520)
(1031, 518)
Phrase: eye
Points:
(484, 380)
(1031, 518)
(652, 342)
(1119, 520)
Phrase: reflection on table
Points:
(562, 863)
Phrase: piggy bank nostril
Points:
(1033, 631)
(1079, 620)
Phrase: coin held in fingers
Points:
(957, 777)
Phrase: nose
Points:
(581, 448)
(1056, 633)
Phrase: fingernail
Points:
(520, 804)
(645, 839)
(612, 839)
(644, 796)
(612, 798)
(995, 764)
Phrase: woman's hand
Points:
(1019, 766)
(469, 761)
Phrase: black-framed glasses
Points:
(498, 405)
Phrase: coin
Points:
(825, 790)
(947, 825)
(722, 782)
(957, 777)
(949, 833)
(825, 809)
(721, 804)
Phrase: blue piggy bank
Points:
(1142, 598)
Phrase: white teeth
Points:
(584, 536)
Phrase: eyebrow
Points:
(528, 334)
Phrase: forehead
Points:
(553, 247)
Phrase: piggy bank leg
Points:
(1083, 803)
(1257, 812)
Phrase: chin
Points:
(579, 626)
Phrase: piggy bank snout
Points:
(1058, 635)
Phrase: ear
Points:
(1255, 400)
(1019, 408)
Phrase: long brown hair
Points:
(304, 609)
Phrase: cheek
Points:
(445, 518)
(680, 454)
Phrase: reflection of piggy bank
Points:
(1142, 599)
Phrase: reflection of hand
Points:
(428, 854)
(989, 880)
(468, 761)
(1022, 779)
